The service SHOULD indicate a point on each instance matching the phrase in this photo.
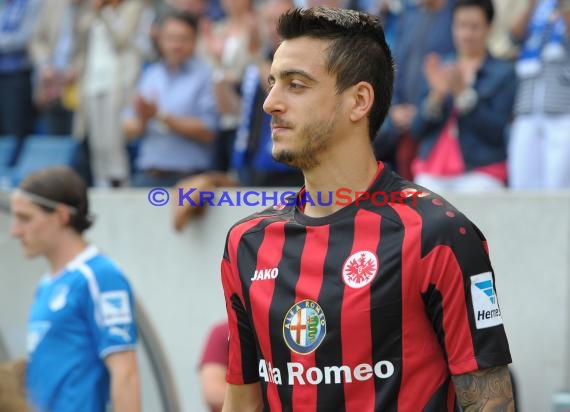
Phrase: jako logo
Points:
(264, 274)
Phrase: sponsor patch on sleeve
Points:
(115, 308)
(485, 304)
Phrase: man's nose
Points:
(273, 102)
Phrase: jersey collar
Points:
(89, 252)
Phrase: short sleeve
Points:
(205, 102)
(242, 355)
(461, 300)
(110, 310)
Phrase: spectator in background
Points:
(539, 150)
(174, 110)
(17, 20)
(54, 56)
(421, 30)
(231, 44)
(208, 9)
(213, 366)
(81, 329)
(252, 163)
(196, 8)
(501, 44)
(339, 4)
(114, 45)
(461, 123)
(251, 157)
(388, 10)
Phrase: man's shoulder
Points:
(257, 221)
(419, 208)
(103, 272)
(442, 224)
(272, 213)
(153, 69)
(500, 68)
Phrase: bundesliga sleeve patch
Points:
(485, 304)
(115, 308)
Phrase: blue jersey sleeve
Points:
(110, 308)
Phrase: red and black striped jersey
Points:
(371, 308)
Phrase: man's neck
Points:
(175, 67)
(66, 249)
(350, 169)
(473, 59)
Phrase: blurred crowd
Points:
(165, 90)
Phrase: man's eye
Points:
(294, 85)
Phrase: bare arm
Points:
(520, 24)
(486, 390)
(213, 379)
(189, 127)
(205, 182)
(125, 386)
(243, 398)
(133, 128)
(564, 6)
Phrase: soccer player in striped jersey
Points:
(81, 330)
(365, 292)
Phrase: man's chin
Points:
(284, 156)
(30, 253)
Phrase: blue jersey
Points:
(78, 318)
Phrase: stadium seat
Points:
(8, 148)
(39, 152)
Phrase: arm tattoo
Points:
(486, 390)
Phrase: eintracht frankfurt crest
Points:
(360, 269)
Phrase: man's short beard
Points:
(303, 161)
(316, 139)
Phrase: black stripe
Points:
(439, 398)
(433, 302)
(341, 235)
(386, 311)
(247, 342)
(283, 299)
(246, 262)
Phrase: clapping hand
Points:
(145, 109)
(437, 76)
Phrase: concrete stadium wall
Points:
(176, 277)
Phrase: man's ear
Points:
(362, 100)
(63, 214)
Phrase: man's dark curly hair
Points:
(358, 51)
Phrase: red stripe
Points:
(443, 271)
(261, 295)
(451, 397)
(308, 287)
(423, 365)
(486, 247)
(355, 317)
(234, 373)
(232, 284)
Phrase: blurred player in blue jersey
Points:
(81, 331)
